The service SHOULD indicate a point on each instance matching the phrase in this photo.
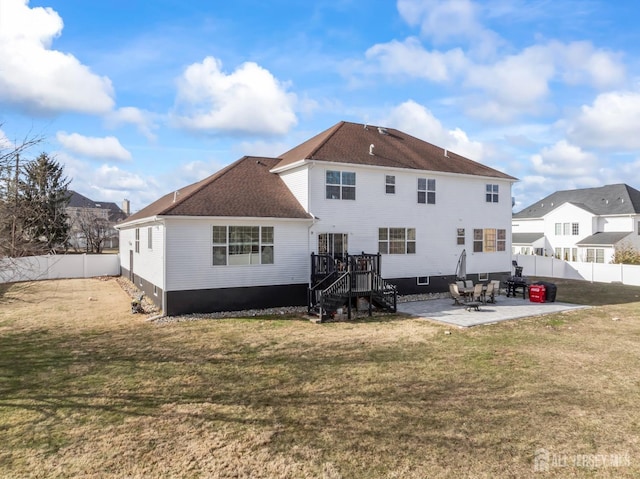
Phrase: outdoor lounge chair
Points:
(458, 299)
(477, 292)
(468, 283)
(489, 293)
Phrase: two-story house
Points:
(583, 225)
(244, 237)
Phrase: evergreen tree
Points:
(45, 196)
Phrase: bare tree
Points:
(93, 228)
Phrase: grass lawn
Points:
(89, 390)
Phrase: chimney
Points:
(126, 207)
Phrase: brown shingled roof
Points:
(244, 188)
(348, 142)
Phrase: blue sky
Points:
(138, 98)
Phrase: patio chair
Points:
(496, 286)
(477, 292)
(455, 295)
(489, 293)
(460, 285)
(468, 283)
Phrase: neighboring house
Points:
(82, 211)
(244, 237)
(583, 225)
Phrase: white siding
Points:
(147, 263)
(297, 180)
(460, 203)
(528, 225)
(190, 255)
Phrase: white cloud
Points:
(38, 79)
(610, 122)
(107, 147)
(411, 58)
(249, 100)
(143, 120)
(114, 178)
(418, 121)
(5, 143)
(449, 20)
(564, 160)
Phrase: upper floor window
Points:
(341, 185)
(137, 242)
(427, 191)
(558, 228)
(390, 184)
(397, 240)
(239, 245)
(492, 193)
(460, 236)
(575, 229)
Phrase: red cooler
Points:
(537, 293)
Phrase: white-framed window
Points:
(390, 184)
(242, 245)
(397, 240)
(595, 255)
(566, 229)
(149, 237)
(422, 280)
(483, 276)
(489, 240)
(557, 253)
(460, 236)
(492, 195)
(427, 191)
(340, 185)
(558, 229)
(137, 241)
(575, 229)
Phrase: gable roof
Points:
(244, 188)
(347, 142)
(76, 200)
(618, 199)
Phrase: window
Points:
(575, 229)
(335, 244)
(397, 240)
(595, 255)
(240, 245)
(492, 193)
(460, 236)
(341, 185)
(427, 191)
(483, 276)
(390, 184)
(574, 254)
(501, 245)
(558, 229)
(219, 245)
(149, 238)
(558, 253)
(566, 229)
(489, 240)
(422, 280)
(137, 243)
(477, 240)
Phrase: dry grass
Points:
(89, 390)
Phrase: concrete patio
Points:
(503, 309)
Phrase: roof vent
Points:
(175, 196)
(383, 131)
(446, 153)
(371, 149)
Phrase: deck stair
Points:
(338, 283)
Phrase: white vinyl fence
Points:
(34, 268)
(595, 272)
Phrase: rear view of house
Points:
(244, 237)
